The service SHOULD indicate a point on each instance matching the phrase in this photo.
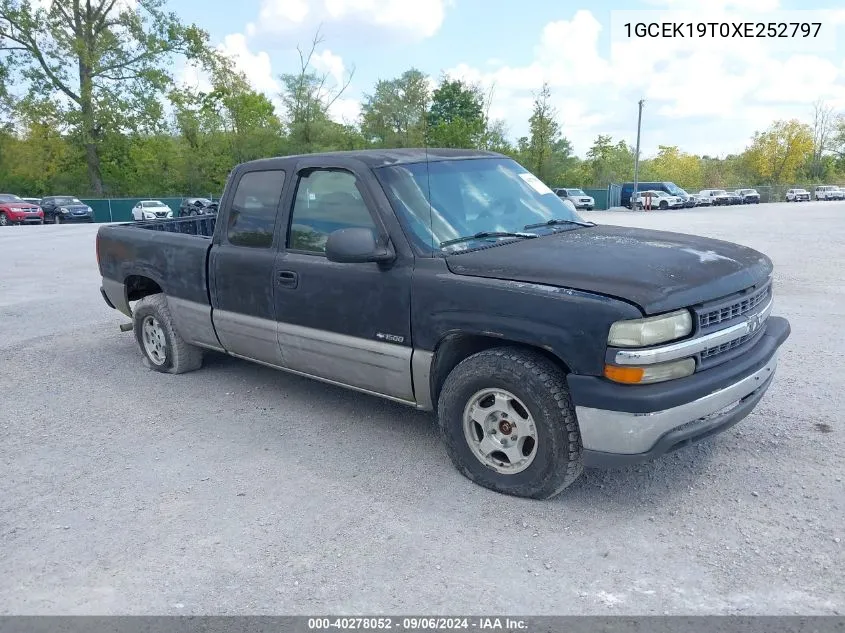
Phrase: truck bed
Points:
(201, 226)
(173, 253)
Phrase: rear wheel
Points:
(509, 425)
(163, 348)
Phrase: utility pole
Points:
(637, 157)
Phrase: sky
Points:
(705, 95)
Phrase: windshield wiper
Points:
(483, 234)
(555, 222)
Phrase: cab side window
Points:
(326, 201)
(252, 215)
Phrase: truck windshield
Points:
(445, 200)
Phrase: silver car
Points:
(577, 197)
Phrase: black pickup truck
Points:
(455, 281)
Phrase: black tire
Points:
(664, 205)
(180, 357)
(4, 221)
(541, 386)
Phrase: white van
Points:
(829, 192)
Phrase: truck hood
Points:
(655, 270)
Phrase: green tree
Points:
(106, 62)
(308, 98)
(544, 134)
(671, 164)
(456, 115)
(608, 162)
(394, 114)
(778, 154)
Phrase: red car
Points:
(13, 210)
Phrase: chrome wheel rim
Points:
(155, 345)
(500, 431)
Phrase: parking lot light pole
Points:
(637, 157)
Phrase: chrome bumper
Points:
(644, 435)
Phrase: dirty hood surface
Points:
(656, 270)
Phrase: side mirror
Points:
(357, 246)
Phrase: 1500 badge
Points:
(393, 338)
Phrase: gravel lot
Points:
(239, 489)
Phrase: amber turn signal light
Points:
(630, 375)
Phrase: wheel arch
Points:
(455, 347)
(140, 285)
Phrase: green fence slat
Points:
(599, 195)
(120, 209)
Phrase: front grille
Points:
(725, 347)
(734, 309)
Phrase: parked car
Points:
(701, 201)
(829, 192)
(734, 197)
(797, 195)
(14, 210)
(658, 200)
(545, 343)
(577, 197)
(65, 209)
(749, 196)
(196, 206)
(717, 196)
(667, 187)
(151, 210)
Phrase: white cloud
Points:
(705, 95)
(256, 66)
(416, 19)
(328, 62)
(345, 110)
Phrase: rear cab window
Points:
(254, 209)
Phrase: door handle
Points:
(288, 279)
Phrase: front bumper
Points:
(623, 424)
(71, 217)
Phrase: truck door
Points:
(346, 323)
(241, 264)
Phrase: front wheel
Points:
(664, 205)
(509, 425)
(4, 220)
(163, 348)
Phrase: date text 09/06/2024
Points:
(723, 29)
(422, 623)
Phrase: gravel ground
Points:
(239, 489)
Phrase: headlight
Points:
(650, 373)
(651, 330)
(90, 210)
(63, 209)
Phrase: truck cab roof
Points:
(383, 157)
